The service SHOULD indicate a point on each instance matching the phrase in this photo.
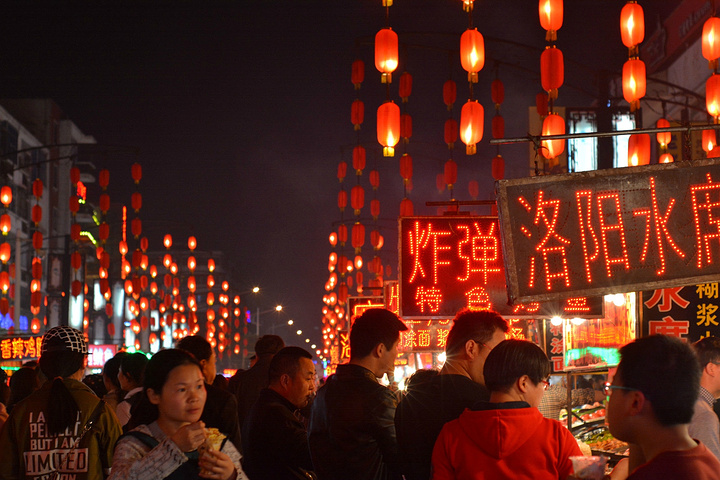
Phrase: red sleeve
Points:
(568, 447)
(442, 468)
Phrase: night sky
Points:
(241, 111)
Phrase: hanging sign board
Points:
(452, 262)
(610, 231)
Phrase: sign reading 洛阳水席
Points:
(453, 262)
(610, 231)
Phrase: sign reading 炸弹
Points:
(609, 231)
(453, 262)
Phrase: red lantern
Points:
(37, 188)
(74, 175)
(192, 243)
(711, 39)
(712, 95)
(342, 200)
(136, 227)
(342, 171)
(473, 189)
(358, 235)
(4, 306)
(450, 173)
(451, 132)
(553, 124)
(472, 53)
(104, 202)
(406, 208)
(357, 113)
(5, 252)
(104, 231)
(552, 70)
(76, 260)
(74, 204)
(406, 167)
(75, 231)
(6, 195)
(405, 126)
(708, 140)
(632, 24)
(663, 138)
(405, 86)
(498, 126)
(136, 201)
(386, 53)
(374, 179)
(136, 172)
(357, 198)
(358, 73)
(388, 127)
(440, 182)
(633, 82)
(449, 93)
(472, 118)
(639, 149)
(104, 178)
(167, 241)
(342, 235)
(497, 92)
(551, 15)
(359, 156)
(37, 240)
(76, 288)
(5, 223)
(498, 167)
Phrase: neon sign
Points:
(20, 348)
(449, 263)
(609, 231)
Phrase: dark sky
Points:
(241, 110)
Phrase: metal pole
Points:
(257, 324)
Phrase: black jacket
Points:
(422, 414)
(275, 445)
(249, 383)
(352, 433)
(221, 412)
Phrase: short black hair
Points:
(510, 360)
(666, 371)
(133, 365)
(286, 362)
(112, 368)
(374, 326)
(197, 346)
(268, 345)
(478, 325)
(707, 350)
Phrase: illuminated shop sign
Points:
(99, 354)
(690, 313)
(449, 263)
(20, 348)
(609, 231)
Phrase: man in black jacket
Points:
(275, 441)
(352, 434)
(220, 406)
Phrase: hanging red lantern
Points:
(74, 175)
(632, 24)
(552, 70)
(136, 172)
(472, 118)
(663, 138)
(386, 53)
(137, 257)
(136, 201)
(639, 149)
(388, 127)
(75, 288)
(440, 182)
(5, 252)
(358, 236)
(451, 132)
(633, 82)
(498, 126)
(36, 214)
(473, 189)
(104, 231)
(167, 241)
(358, 73)
(342, 235)
(144, 244)
(342, 171)
(497, 92)
(551, 17)
(4, 306)
(192, 243)
(450, 173)
(357, 113)
(37, 240)
(75, 232)
(37, 269)
(136, 227)
(553, 124)
(472, 53)
(406, 208)
(375, 239)
(405, 86)
(449, 93)
(359, 156)
(74, 204)
(104, 178)
(5, 223)
(498, 167)
(406, 167)
(342, 200)
(6, 195)
(541, 104)
(711, 41)
(105, 260)
(76, 260)
(712, 95)
(37, 188)
(708, 140)
(405, 127)
(104, 202)
(374, 179)
(357, 198)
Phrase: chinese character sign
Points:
(450, 263)
(690, 313)
(20, 348)
(610, 231)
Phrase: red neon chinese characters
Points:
(419, 240)
(432, 297)
(669, 326)
(619, 227)
(557, 345)
(552, 243)
(423, 338)
(483, 250)
(585, 220)
(529, 308)
(666, 297)
(711, 222)
(577, 305)
(478, 298)
(442, 334)
(661, 230)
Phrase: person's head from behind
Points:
(518, 370)
(203, 353)
(474, 333)
(292, 375)
(132, 368)
(111, 370)
(175, 385)
(268, 345)
(656, 383)
(420, 377)
(22, 384)
(63, 355)
(708, 353)
(374, 338)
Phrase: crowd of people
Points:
(481, 416)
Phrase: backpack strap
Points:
(143, 437)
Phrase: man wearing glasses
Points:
(652, 399)
(460, 384)
(705, 425)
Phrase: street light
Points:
(277, 308)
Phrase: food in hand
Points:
(214, 438)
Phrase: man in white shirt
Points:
(705, 425)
